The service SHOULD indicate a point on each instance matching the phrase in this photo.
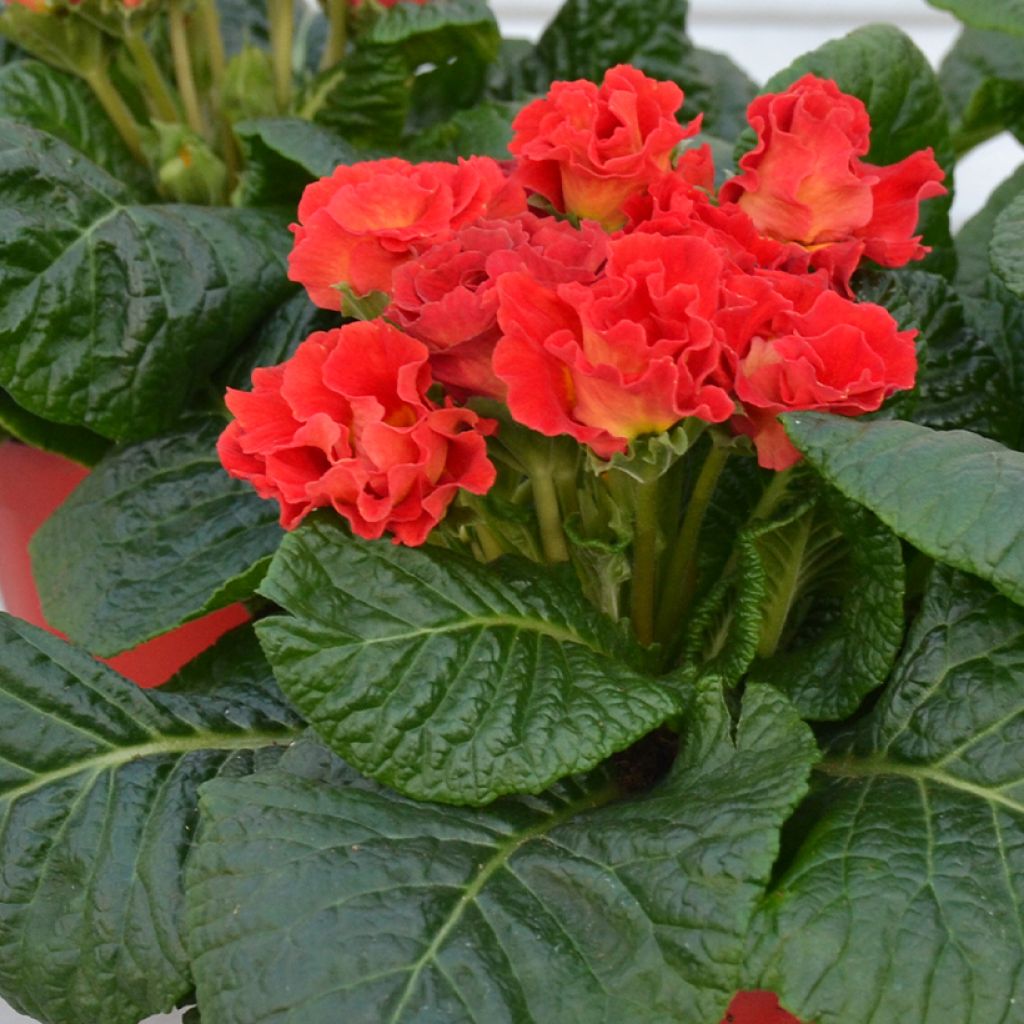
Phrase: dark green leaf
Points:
(447, 679)
(902, 900)
(954, 495)
(283, 155)
(1001, 15)
(98, 788)
(73, 443)
(586, 37)
(974, 268)
(844, 623)
(483, 130)
(113, 312)
(366, 99)
(1007, 246)
(63, 105)
(715, 87)
(964, 378)
(881, 66)
(158, 534)
(983, 83)
(315, 896)
(277, 339)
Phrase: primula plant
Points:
(619, 467)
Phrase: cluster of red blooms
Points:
(595, 285)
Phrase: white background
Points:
(763, 36)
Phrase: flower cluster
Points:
(596, 284)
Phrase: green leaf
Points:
(318, 897)
(1001, 15)
(974, 268)
(158, 534)
(276, 339)
(965, 377)
(715, 86)
(73, 443)
(113, 312)
(447, 679)
(64, 106)
(365, 99)
(283, 155)
(954, 495)
(1007, 246)
(902, 900)
(884, 68)
(983, 84)
(586, 37)
(845, 620)
(98, 790)
(483, 130)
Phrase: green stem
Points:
(158, 92)
(183, 69)
(682, 569)
(117, 110)
(334, 51)
(209, 24)
(545, 498)
(645, 562)
(282, 29)
(489, 544)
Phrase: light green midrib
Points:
(171, 745)
(485, 622)
(501, 857)
(873, 767)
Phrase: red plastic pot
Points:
(757, 1008)
(32, 485)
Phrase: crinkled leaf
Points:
(884, 68)
(75, 443)
(1007, 246)
(59, 103)
(283, 155)
(974, 267)
(983, 83)
(586, 37)
(954, 495)
(483, 130)
(158, 534)
(98, 788)
(114, 312)
(314, 895)
(276, 339)
(366, 99)
(845, 624)
(902, 900)
(964, 377)
(1002, 15)
(447, 679)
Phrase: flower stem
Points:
(545, 498)
(183, 69)
(334, 51)
(117, 110)
(209, 23)
(282, 29)
(158, 92)
(682, 569)
(645, 562)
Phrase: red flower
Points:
(447, 297)
(805, 181)
(588, 149)
(798, 345)
(630, 354)
(364, 221)
(345, 423)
